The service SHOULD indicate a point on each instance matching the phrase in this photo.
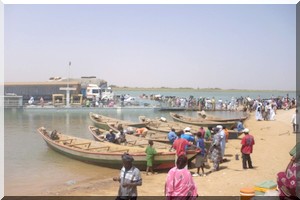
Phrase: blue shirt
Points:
(111, 137)
(188, 137)
(172, 136)
(240, 126)
(200, 144)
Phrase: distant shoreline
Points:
(192, 89)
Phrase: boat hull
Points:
(203, 115)
(204, 123)
(164, 160)
(165, 126)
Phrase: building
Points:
(53, 86)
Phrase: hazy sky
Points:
(224, 46)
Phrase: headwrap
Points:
(220, 127)
(126, 157)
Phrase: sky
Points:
(224, 46)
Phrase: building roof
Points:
(83, 81)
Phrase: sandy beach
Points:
(273, 141)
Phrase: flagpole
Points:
(69, 74)
(68, 87)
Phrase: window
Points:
(95, 91)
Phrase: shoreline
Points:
(268, 158)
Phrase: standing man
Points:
(213, 102)
(247, 148)
(258, 112)
(129, 179)
(188, 135)
(180, 145)
(222, 135)
(294, 122)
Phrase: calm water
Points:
(31, 168)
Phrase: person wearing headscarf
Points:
(179, 183)
(287, 181)
(129, 179)
(215, 151)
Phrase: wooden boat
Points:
(131, 140)
(201, 122)
(220, 119)
(162, 125)
(101, 121)
(105, 154)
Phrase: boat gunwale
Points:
(50, 141)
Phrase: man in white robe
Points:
(258, 114)
(222, 134)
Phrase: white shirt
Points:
(294, 117)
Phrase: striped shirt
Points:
(129, 176)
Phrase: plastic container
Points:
(265, 186)
(246, 193)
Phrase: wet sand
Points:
(273, 141)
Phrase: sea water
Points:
(32, 168)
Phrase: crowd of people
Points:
(245, 103)
(191, 102)
(201, 103)
(179, 181)
(210, 144)
(266, 110)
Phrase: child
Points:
(201, 156)
(150, 151)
